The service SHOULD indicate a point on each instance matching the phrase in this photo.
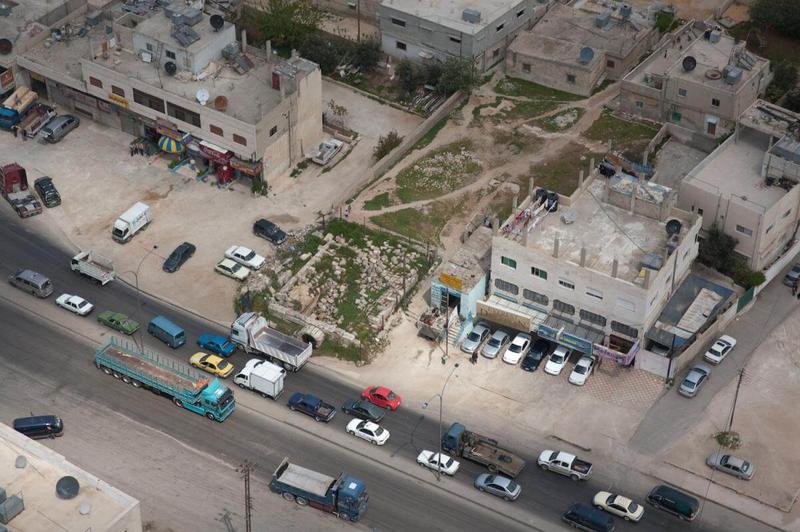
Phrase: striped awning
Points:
(169, 145)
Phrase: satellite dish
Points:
(67, 488)
(587, 54)
(217, 22)
(171, 68)
(673, 227)
(202, 96)
(220, 103)
(5, 46)
(689, 63)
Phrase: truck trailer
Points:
(94, 266)
(343, 496)
(164, 376)
(458, 441)
(252, 332)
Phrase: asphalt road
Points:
(398, 501)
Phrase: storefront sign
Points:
(503, 317)
(451, 280)
(119, 100)
(565, 339)
(215, 153)
(169, 132)
(6, 80)
(246, 167)
(622, 359)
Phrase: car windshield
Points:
(248, 256)
(82, 304)
(556, 358)
(633, 507)
(494, 342)
(473, 336)
(512, 486)
(580, 370)
(688, 384)
(223, 364)
(515, 348)
(236, 267)
(717, 349)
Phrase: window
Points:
(495, 53)
(273, 130)
(94, 82)
(455, 39)
(562, 307)
(570, 78)
(592, 317)
(142, 98)
(744, 230)
(539, 273)
(597, 294)
(567, 284)
(700, 211)
(238, 139)
(639, 104)
(511, 263)
(215, 130)
(526, 67)
(398, 22)
(624, 304)
(401, 45)
(505, 286)
(676, 117)
(682, 93)
(624, 329)
(610, 63)
(520, 13)
(536, 297)
(714, 102)
(184, 115)
(787, 213)
(149, 47)
(118, 91)
(769, 228)
(500, 27)
(170, 55)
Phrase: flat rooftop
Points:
(552, 49)
(27, 19)
(449, 13)
(769, 118)
(471, 261)
(159, 28)
(108, 507)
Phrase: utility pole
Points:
(358, 17)
(735, 398)
(245, 470)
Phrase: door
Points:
(711, 128)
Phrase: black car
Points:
(176, 259)
(363, 409)
(266, 229)
(535, 355)
(47, 191)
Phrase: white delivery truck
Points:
(94, 266)
(131, 222)
(262, 377)
(256, 337)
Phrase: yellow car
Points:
(212, 363)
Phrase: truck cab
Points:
(352, 497)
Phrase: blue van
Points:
(167, 332)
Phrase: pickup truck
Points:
(458, 441)
(326, 151)
(35, 119)
(311, 406)
(565, 464)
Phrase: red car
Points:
(381, 396)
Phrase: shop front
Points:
(573, 336)
(219, 161)
(241, 167)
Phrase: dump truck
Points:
(344, 496)
(458, 441)
(35, 119)
(164, 376)
(94, 266)
(14, 187)
(252, 332)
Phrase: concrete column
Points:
(591, 165)
(583, 254)
(514, 201)
(555, 247)
(530, 187)
(269, 51)
(647, 273)
(494, 226)
(633, 198)
(244, 41)
(614, 267)
(580, 179)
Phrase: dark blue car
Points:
(312, 406)
(535, 355)
(214, 343)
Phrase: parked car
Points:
(495, 344)
(57, 128)
(731, 465)
(214, 364)
(717, 352)
(47, 191)
(584, 517)
(694, 380)
(219, 345)
(442, 462)
(364, 409)
(792, 275)
(517, 349)
(674, 502)
(245, 257)
(475, 338)
(178, 257)
(498, 485)
(266, 229)
(581, 371)
(36, 427)
(618, 505)
(534, 357)
(381, 396)
(367, 430)
(118, 321)
(75, 304)
(311, 405)
(557, 360)
(232, 269)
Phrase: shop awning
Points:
(169, 145)
(510, 313)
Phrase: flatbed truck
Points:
(458, 441)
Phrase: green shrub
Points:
(386, 144)
(728, 439)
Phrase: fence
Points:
(654, 142)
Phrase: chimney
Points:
(244, 41)
(583, 251)
(614, 268)
(555, 247)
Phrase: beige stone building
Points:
(700, 79)
(748, 185)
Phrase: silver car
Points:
(694, 380)
(498, 485)
(475, 338)
(495, 344)
(732, 465)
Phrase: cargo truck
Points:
(164, 376)
(256, 337)
(262, 377)
(35, 119)
(131, 222)
(343, 496)
(94, 266)
(458, 441)
(14, 187)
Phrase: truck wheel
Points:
(126, 379)
(354, 518)
(240, 385)
(301, 501)
(136, 384)
(105, 370)
(343, 516)
(177, 401)
(575, 477)
(544, 467)
(210, 416)
(116, 375)
(317, 419)
(265, 396)
(288, 496)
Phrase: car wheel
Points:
(626, 518)
(575, 478)
(506, 498)
(492, 468)
(373, 442)
(351, 432)
(544, 467)
(301, 501)
(598, 506)
(211, 416)
(317, 418)
(292, 408)
(177, 401)
(481, 488)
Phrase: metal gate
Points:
(746, 298)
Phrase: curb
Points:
(572, 443)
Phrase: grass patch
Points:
(310, 244)
(603, 86)
(423, 224)
(560, 121)
(428, 137)
(527, 89)
(517, 139)
(302, 165)
(628, 136)
(378, 202)
(441, 171)
(560, 173)
(331, 348)
(529, 109)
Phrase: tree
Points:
(432, 72)
(287, 22)
(366, 55)
(792, 101)
(781, 15)
(315, 47)
(784, 80)
(339, 112)
(457, 74)
(408, 74)
(717, 250)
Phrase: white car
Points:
(367, 430)
(232, 269)
(618, 505)
(75, 304)
(517, 349)
(717, 352)
(442, 462)
(557, 360)
(581, 371)
(246, 257)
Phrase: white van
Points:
(131, 222)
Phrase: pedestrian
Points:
(794, 288)
(15, 129)
(474, 358)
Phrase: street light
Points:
(441, 407)
(138, 294)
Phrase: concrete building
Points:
(424, 30)
(573, 48)
(31, 471)
(747, 186)
(700, 79)
(366, 9)
(235, 109)
(594, 274)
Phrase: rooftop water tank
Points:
(471, 15)
(732, 75)
(715, 36)
(602, 19)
